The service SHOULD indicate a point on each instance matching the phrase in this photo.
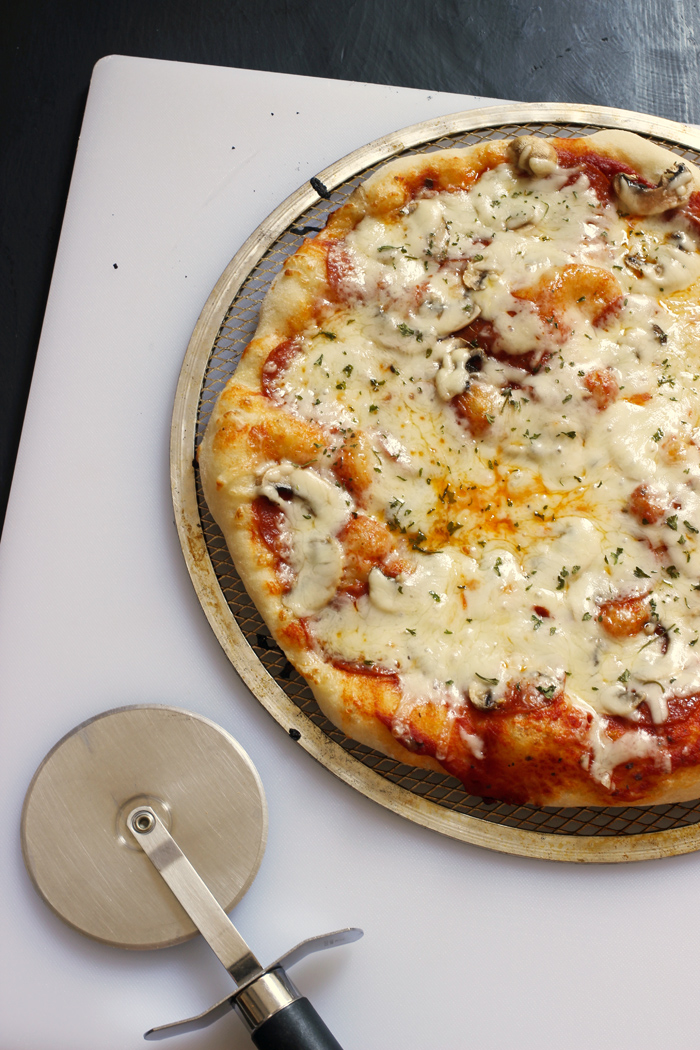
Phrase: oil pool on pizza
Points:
(458, 467)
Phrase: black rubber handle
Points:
(296, 1027)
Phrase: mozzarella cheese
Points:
(519, 529)
(317, 513)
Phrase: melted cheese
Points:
(607, 753)
(452, 378)
(314, 515)
(517, 531)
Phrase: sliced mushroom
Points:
(672, 190)
(635, 263)
(682, 241)
(482, 697)
(533, 155)
(473, 277)
(475, 361)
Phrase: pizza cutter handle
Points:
(297, 1025)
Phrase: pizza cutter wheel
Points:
(144, 826)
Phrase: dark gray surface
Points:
(634, 54)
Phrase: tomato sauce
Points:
(297, 634)
(277, 361)
(609, 313)
(365, 669)
(341, 275)
(514, 772)
(599, 170)
(692, 210)
(482, 335)
(267, 523)
(351, 472)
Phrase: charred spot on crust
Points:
(302, 231)
(322, 190)
(416, 747)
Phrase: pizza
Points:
(458, 467)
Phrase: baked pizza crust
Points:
(532, 750)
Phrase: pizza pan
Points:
(225, 326)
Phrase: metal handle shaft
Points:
(275, 1013)
(193, 894)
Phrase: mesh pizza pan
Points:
(225, 326)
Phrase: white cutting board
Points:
(177, 165)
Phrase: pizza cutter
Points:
(144, 826)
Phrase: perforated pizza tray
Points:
(225, 326)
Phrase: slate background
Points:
(634, 54)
